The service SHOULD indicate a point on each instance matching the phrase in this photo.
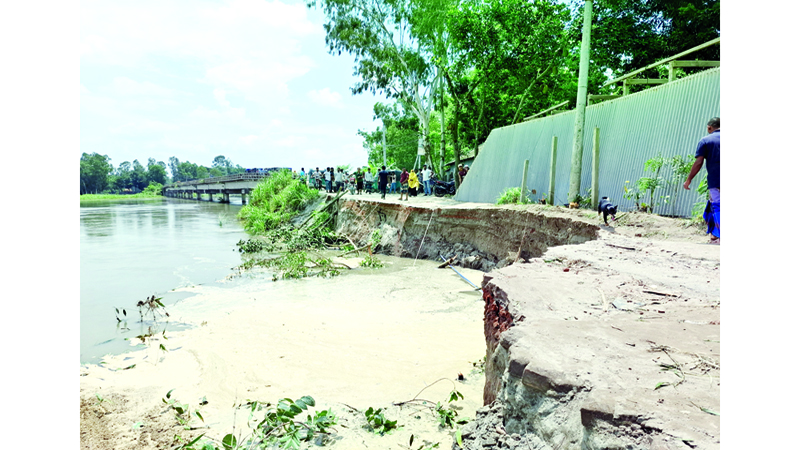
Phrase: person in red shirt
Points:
(404, 184)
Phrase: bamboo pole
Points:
(595, 167)
(663, 61)
(551, 194)
(580, 110)
(523, 190)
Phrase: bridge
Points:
(237, 184)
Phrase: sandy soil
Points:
(367, 338)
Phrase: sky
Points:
(247, 79)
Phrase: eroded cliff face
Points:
(603, 345)
(479, 238)
(594, 340)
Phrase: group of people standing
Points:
(360, 181)
(409, 182)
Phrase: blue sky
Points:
(248, 79)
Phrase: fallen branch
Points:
(622, 247)
(416, 399)
(660, 293)
(355, 250)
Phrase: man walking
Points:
(708, 151)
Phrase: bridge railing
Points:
(252, 176)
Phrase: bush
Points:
(511, 196)
(153, 189)
(274, 201)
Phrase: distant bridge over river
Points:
(237, 184)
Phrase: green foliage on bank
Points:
(511, 197)
(275, 201)
(151, 191)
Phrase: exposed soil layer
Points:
(478, 237)
(611, 342)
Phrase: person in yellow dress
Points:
(413, 183)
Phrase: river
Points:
(133, 249)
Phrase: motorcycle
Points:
(442, 188)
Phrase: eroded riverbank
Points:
(373, 338)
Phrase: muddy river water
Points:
(132, 249)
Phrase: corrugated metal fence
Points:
(668, 119)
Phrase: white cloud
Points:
(325, 97)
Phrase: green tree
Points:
(389, 57)
(138, 176)
(631, 34)
(156, 172)
(122, 177)
(174, 170)
(94, 171)
(402, 137)
(510, 59)
(222, 164)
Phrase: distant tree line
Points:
(98, 175)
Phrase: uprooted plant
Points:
(151, 306)
(296, 265)
(378, 423)
(280, 425)
(183, 413)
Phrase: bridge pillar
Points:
(199, 196)
(244, 197)
(226, 198)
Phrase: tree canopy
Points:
(496, 61)
(98, 175)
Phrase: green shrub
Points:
(274, 201)
(511, 196)
(153, 189)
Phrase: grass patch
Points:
(274, 201)
(511, 196)
(139, 196)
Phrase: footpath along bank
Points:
(596, 337)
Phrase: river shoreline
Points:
(371, 337)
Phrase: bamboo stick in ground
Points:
(446, 263)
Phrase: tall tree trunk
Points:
(442, 146)
(478, 123)
(456, 144)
